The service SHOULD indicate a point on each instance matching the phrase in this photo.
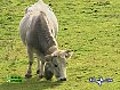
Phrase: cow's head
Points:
(58, 60)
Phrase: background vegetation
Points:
(89, 27)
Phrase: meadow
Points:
(91, 28)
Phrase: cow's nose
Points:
(63, 79)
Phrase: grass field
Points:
(91, 28)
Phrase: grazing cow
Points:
(38, 30)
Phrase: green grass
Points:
(89, 27)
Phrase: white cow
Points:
(38, 30)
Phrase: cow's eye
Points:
(56, 65)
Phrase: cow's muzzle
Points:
(63, 79)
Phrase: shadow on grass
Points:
(30, 84)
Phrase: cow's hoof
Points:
(41, 76)
(38, 71)
(28, 76)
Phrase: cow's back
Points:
(35, 32)
(41, 6)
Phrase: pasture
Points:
(91, 28)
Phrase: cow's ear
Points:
(68, 53)
(48, 58)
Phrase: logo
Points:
(14, 79)
(100, 80)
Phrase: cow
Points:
(38, 31)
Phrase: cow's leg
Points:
(42, 67)
(30, 55)
(39, 64)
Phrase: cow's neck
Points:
(51, 43)
(45, 36)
